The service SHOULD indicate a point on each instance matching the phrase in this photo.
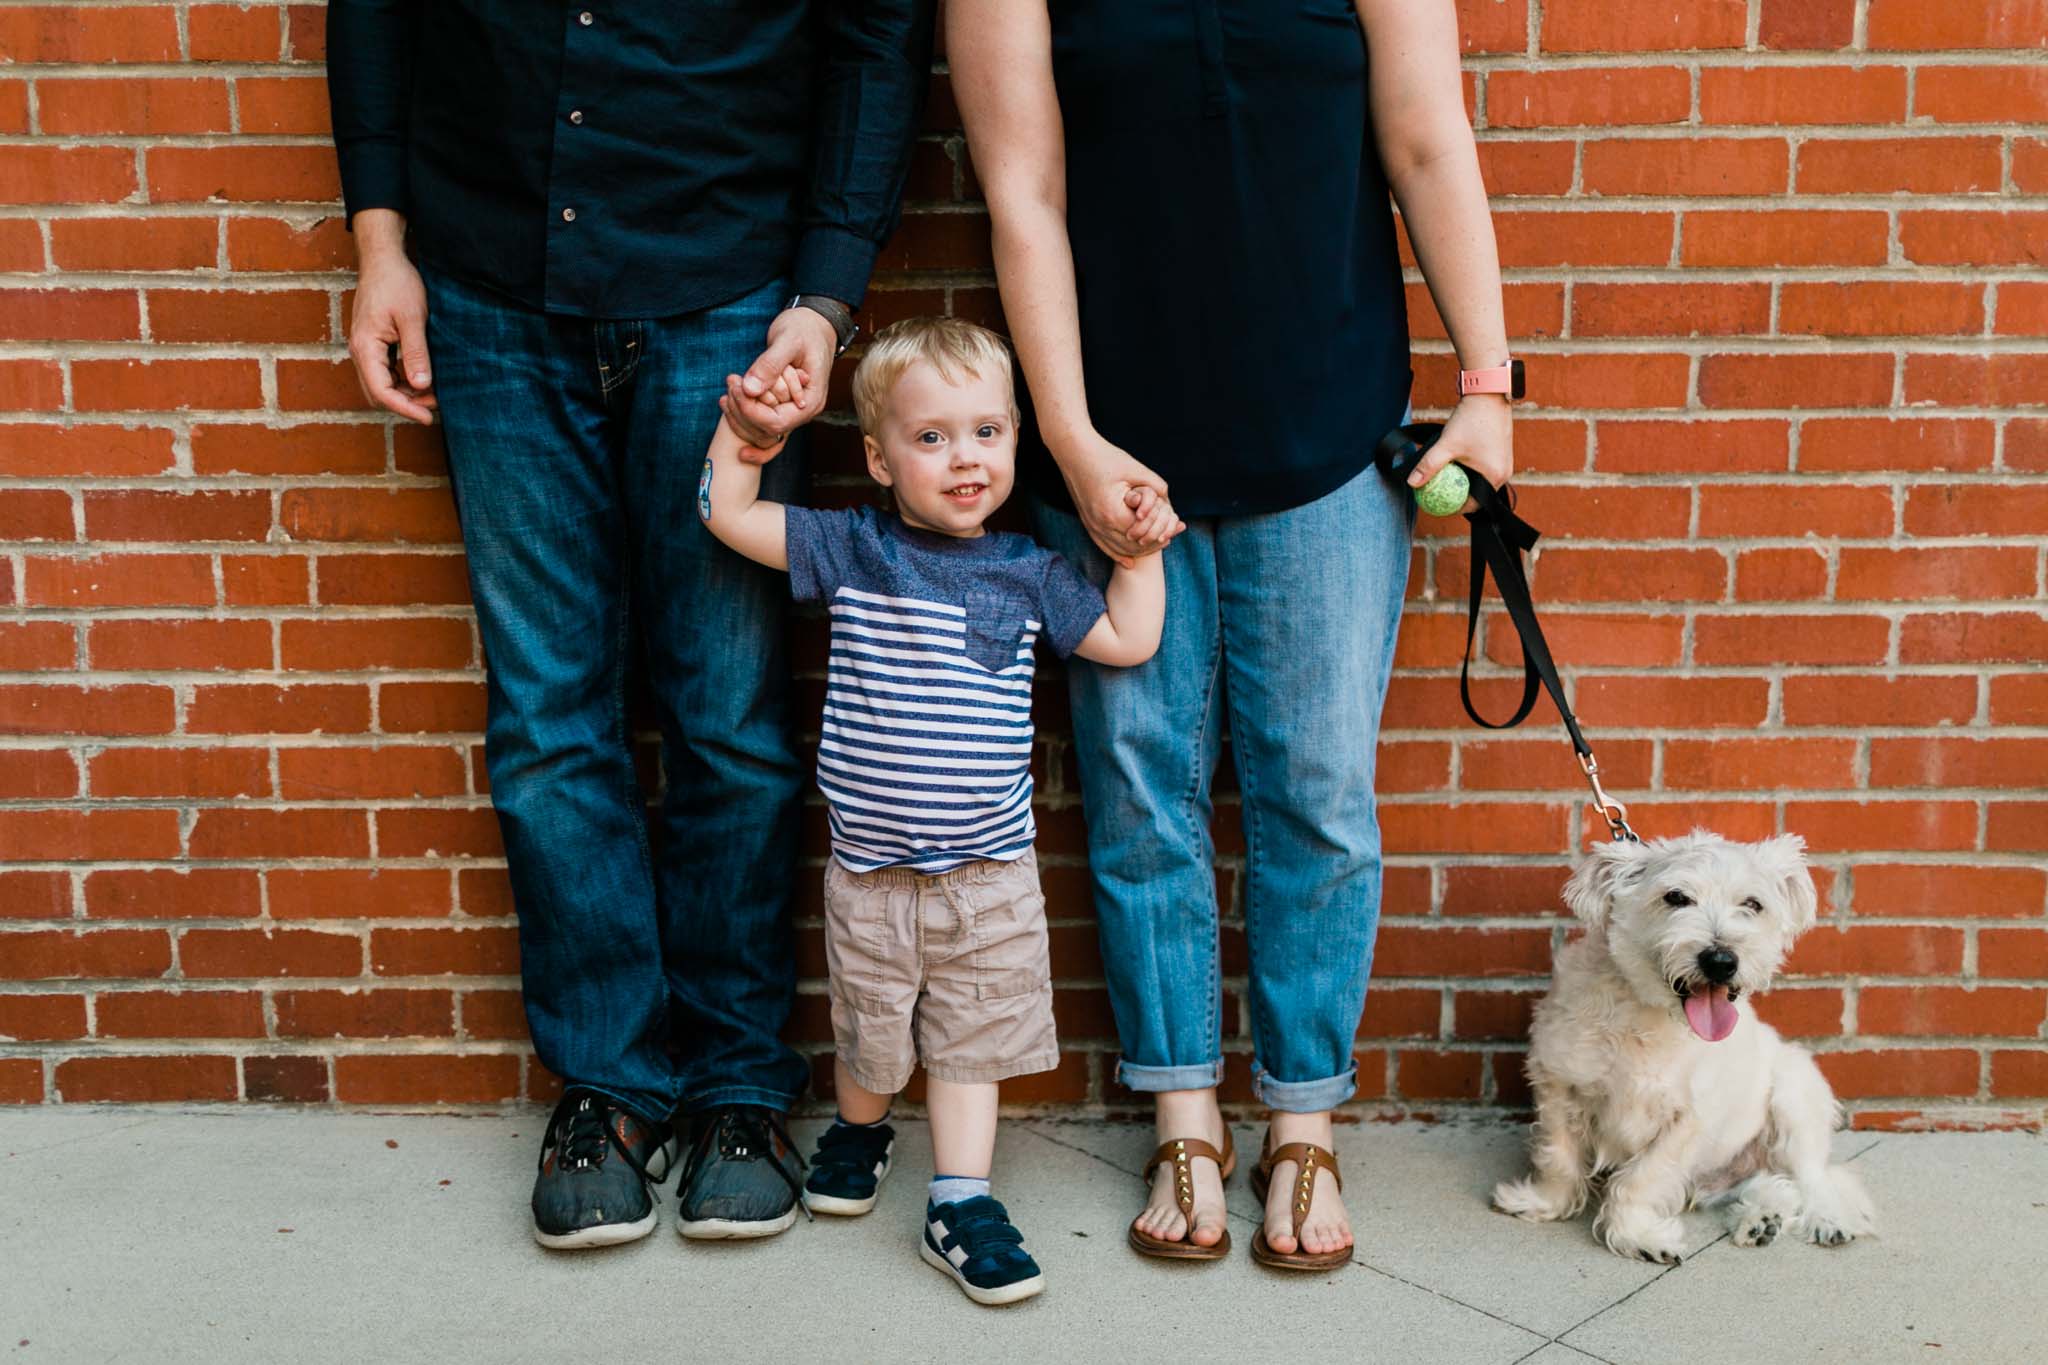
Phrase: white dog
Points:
(1650, 1066)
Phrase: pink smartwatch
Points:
(1506, 380)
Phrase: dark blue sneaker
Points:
(598, 1167)
(743, 1176)
(848, 1168)
(975, 1243)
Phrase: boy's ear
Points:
(877, 470)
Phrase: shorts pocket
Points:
(995, 629)
(1011, 952)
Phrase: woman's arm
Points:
(1000, 52)
(1418, 108)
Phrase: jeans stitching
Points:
(1248, 816)
(1212, 1022)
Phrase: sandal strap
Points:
(1179, 1152)
(1308, 1159)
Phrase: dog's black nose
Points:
(1718, 965)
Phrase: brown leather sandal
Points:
(1309, 1158)
(1180, 1152)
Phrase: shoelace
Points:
(748, 1133)
(582, 1132)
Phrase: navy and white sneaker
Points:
(848, 1168)
(975, 1242)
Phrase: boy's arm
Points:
(1128, 633)
(729, 502)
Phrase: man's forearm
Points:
(369, 93)
(379, 232)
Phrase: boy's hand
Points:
(1153, 522)
(798, 338)
(787, 391)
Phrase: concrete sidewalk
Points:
(161, 1235)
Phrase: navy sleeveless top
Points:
(1243, 326)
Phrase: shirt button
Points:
(575, 116)
(568, 215)
(586, 18)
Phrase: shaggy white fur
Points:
(1650, 1067)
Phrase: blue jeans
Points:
(1286, 621)
(574, 447)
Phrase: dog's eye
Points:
(1753, 905)
(1677, 900)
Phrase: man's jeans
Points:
(1288, 620)
(575, 448)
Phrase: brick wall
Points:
(1781, 269)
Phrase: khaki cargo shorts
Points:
(951, 970)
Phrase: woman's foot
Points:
(1328, 1227)
(1187, 1114)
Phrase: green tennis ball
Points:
(1444, 494)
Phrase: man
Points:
(612, 212)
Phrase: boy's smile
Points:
(948, 451)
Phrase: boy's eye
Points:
(930, 438)
(987, 431)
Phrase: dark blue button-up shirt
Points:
(632, 160)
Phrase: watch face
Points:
(1518, 384)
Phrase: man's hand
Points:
(391, 309)
(1480, 436)
(798, 339)
(1120, 501)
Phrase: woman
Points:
(1197, 259)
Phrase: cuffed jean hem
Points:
(1304, 1097)
(647, 1108)
(1151, 1079)
(778, 1100)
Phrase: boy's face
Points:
(949, 451)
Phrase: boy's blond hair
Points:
(952, 346)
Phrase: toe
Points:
(1208, 1231)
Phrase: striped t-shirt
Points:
(925, 750)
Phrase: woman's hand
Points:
(1480, 436)
(1109, 489)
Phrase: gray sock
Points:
(951, 1189)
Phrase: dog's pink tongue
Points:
(1711, 1013)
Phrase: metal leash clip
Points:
(1611, 810)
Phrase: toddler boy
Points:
(935, 924)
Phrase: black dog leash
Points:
(1499, 540)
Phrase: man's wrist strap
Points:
(834, 312)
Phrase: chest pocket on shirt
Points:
(995, 628)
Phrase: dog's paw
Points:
(1660, 1242)
(1757, 1229)
(1531, 1202)
(1824, 1233)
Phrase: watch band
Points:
(1507, 380)
(834, 312)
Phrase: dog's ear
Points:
(1784, 861)
(1609, 869)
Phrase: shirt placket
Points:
(568, 212)
(1209, 50)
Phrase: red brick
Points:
(217, 773)
(2022, 310)
(172, 893)
(1795, 381)
(181, 645)
(1793, 575)
(1691, 445)
(30, 385)
(1472, 827)
(150, 514)
(1642, 25)
(1981, 94)
(2004, 380)
(1475, 889)
(41, 1018)
(1687, 165)
(1917, 890)
(164, 385)
(243, 174)
(1932, 1012)
(14, 120)
(1530, 310)
(135, 244)
(1917, 165)
(153, 105)
(1404, 951)
(1394, 1012)
(482, 1079)
(1661, 818)
(1889, 444)
(1845, 826)
(263, 708)
(1913, 26)
(2019, 699)
(66, 175)
(1927, 762)
(1795, 510)
(1871, 308)
(1670, 309)
(1543, 168)
(432, 707)
(276, 244)
(31, 645)
(235, 33)
(2030, 165)
(1605, 237)
(372, 644)
(1634, 576)
(1839, 700)
(179, 1014)
(415, 516)
(1960, 573)
(69, 315)
(311, 448)
(1791, 640)
(282, 104)
(443, 952)
(76, 33)
(21, 246)
(502, 1015)
(1578, 97)
(39, 451)
(1535, 765)
(2016, 826)
(1666, 702)
(179, 1077)
(1810, 1013)
(265, 580)
(357, 893)
(1975, 239)
(1802, 94)
(119, 581)
(269, 953)
(35, 895)
(242, 833)
(1758, 764)
(1785, 237)
(21, 1080)
(55, 834)
(38, 774)
(283, 315)
(1974, 637)
(1493, 26)
(365, 1014)
(1604, 638)
(43, 955)
(387, 771)
(63, 710)
(1793, 25)
(1860, 1075)
(37, 514)
(1429, 1074)
(394, 579)
(2012, 952)
(319, 386)
(1487, 1016)
(2019, 1073)
(460, 833)
(288, 1080)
